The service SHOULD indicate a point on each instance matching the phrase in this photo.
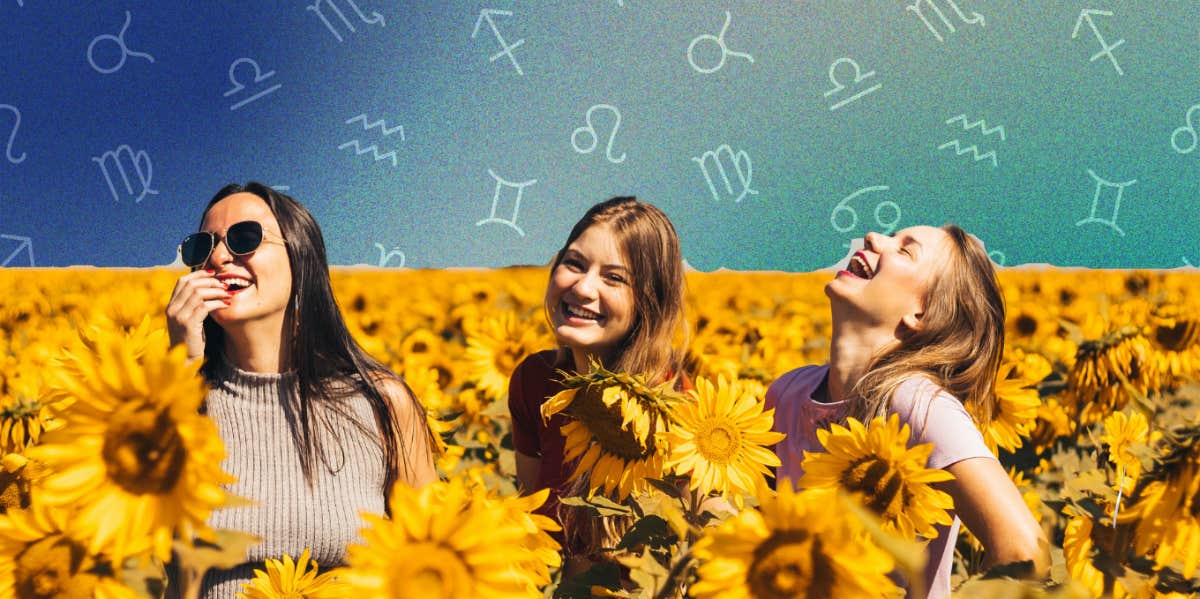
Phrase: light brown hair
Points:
(959, 345)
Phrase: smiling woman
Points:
(316, 431)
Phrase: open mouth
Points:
(859, 267)
(236, 284)
(581, 313)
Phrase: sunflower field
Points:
(109, 469)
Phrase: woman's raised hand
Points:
(196, 294)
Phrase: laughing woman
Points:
(918, 331)
(615, 295)
(315, 430)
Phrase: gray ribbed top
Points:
(248, 410)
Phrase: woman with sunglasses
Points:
(315, 430)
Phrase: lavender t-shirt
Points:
(933, 415)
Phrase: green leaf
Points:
(670, 489)
(197, 557)
(602, 574)
(646, 572)
(651, 531)
(146, 577)
(600, 505)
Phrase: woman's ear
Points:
(913, 321)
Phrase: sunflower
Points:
(615, 429)
(24, 415)
(1052, 423)
(495, 347)
(1174, 332)
(1017, 400)
(1106, 371)
(796, 544)
(452, 541)
(719, 440)
(1166, 506)
(876, 465)
(289, 579)
(41, 558)
(134, 454)
(1121, 434)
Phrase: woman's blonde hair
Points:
(959, 344)
(650, 247)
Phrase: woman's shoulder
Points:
(795, 384)
(539, 365)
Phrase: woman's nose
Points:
(220, 253)
(585, 285)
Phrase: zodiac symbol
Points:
(744, 177)
(1101, 183)
(974, 150)
(589, 129)
(259, 77)
(500, 184)
(384, 257)
(24, 243)
(137, 161)
(1185, 261)
(119, 40)
(13, 136)
(367, 126)
(1105, 49)
(486, 15)
(976, 18)
(376, 18)
(859, 77)
(1188, 129)
(719, 40)
(843, 209)
(998, 257)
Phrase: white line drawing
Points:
(916, 7)
(859, 77)
(589, 129)
(745, 177)
(136, 161)
(719, 40)
(24, 243)
(974, 150)
(367, 126)
(376, 18)
(486, 15)
(998, 257)
(119, 40)
(385, 255)
(1187, 129)
(500, 185)
(1100, 184)
(1185, 261)
(843, 209)
(259, 77)
(1105, 49)
(8, 153)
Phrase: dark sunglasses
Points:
(240, 239)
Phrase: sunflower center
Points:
(1177, 337)
(143, 450)
(791, 563)
(1026, 325)
(431, 571)
(46, 568)
(879, 482)
(604, 422)
(718, 441)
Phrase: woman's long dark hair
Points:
(328, 362)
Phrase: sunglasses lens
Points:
(244, 237)
(195, 248)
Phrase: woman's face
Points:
(261, 281)
(886, 282)
(590, 296)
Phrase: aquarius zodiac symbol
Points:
(843, 210)
(745, 177)
(119, 40)
(141, 166)
(1100, 184)
(500, 185)
(13, 136)
(859, 77)
(974, 150)
(916, 7)
(384, 257)
(259, 77)
(1187, 130)
(719, 40)
(589, 129)
(367, 126)
(376, 18)
(506, 49)
(1105, 49)
(23, 244)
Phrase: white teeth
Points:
(860, 267)
(235, 281)
(578, 312)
